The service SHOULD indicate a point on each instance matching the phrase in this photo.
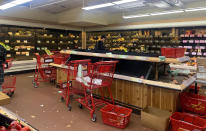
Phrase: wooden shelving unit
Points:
(25, 41)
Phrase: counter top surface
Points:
(127, 57)
(171, 86)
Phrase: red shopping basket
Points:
(194, 103)
(116, 116)
(187, 122)
(173, 52)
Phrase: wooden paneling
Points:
(137, 94)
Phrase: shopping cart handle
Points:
(67, 62)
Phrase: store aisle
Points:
(43, 109)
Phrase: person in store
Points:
(100, 44)
(2, 61)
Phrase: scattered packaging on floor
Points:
(155, 119)
(4, 99)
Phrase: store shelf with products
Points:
(194, 40)
(151, 40)
(139, 41)
(25, 41)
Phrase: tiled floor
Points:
(42, 108)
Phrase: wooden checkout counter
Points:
(135, 91)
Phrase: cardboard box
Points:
(201, 69)
(155, 119)
(201, 61)
(4, 99)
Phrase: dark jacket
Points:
(99, 46)
(2, 55)
(2, 60)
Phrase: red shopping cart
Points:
(68, 89)
(8, 64)
(9, 85)
(44, 72)
(98, 76)
(60, 58)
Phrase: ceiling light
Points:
(195, 9)
(123, 1)
(160, 4)
(153, 14)
(19, 2)
(13, 3)
(167, 12)
(98, 6)
(135, 16)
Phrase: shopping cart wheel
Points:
(10, 94)
(94, 118)
(62, 99)
(35, 85)
(70, 107)
(80, 106)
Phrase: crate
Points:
(173, 52)
(187, 122)
(194, 103)
(116, 116)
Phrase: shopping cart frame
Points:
(97, 70)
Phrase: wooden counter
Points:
(136, 92)
(140, 93)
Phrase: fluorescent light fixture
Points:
(167, 12)
(123, 1)
(98, 6)
(43, 5)
(135, 16)
(19, 2)
(6, 6)
(195, 9)
(160, 4)
(13, 3)
(107, 4)
(154, 14)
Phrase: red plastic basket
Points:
(194, 103)
(187, 122)
(173, 52)
(116, 116)
(180, 52)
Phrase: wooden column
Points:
(84, 39)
